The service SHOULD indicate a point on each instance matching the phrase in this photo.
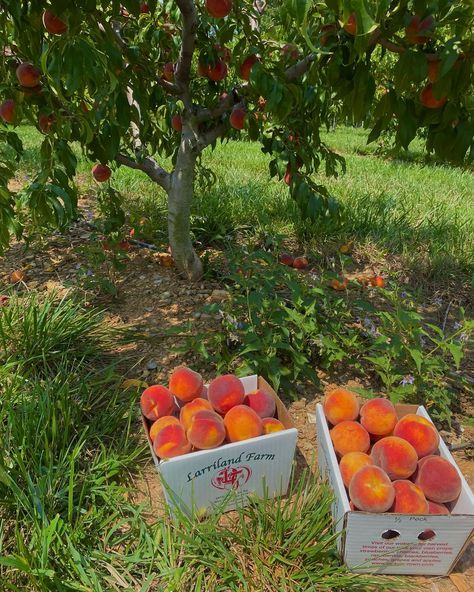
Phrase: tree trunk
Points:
(180, 197)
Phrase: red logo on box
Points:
(232, 477)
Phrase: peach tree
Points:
(151, 85)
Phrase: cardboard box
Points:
(365, 544)
(203, 479)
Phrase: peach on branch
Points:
(395, 456)
(161, 423)
(171, 441)
(185, 384)
(371, 490)
(219, 8)
(261, 402)
(206, 430)
(340, 405)
(225, 392)
(271, 425)
(378, 416)
(428, 99)
(433, 70)
(177, 123)
(101, 172)
(237, 117)
(157, 401)
(409, 498)
(168, 71)
(7, 111)
(439, 479)
(351, 25)
(247, 65)
(349, 436)
(418, 30)
(327, 32)
(188, 411)
(351, 462)
(242, 423)
(144, 8)
(217, 71)
(45, 122)
(53, 24)
(420, 432)
(28, 75)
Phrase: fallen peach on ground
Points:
(349, 436)
(340, 405)
(351, 462)
(378, 416)
(157, 401)
(420, 432)
(395, 456)
(271, 425)
(261, 402)
(224, 392)
(371, 490)
(206, 430)
(185, 384)
(242, 423)
(438, 479)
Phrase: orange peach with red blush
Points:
(371, 490)
(206, 430)
(225, 392)
(261, 402)
(378, 416)
(439, 479)
(157, 401)
(171, 441)
(271, 425)
(161, 423)
(189, 410)
(349, 436)
(395, 456)
(351, 462)
(440, 509)
(242, 423)
(409, 498)
(340, 405)
(185, 384)
(420, 432)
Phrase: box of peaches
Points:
(215, 445)
(402, 505)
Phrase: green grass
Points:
(408, 208)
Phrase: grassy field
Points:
(407, 212)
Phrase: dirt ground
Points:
(152, 298)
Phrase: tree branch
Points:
(223, 106)
(300, 67)
(188, 40)
(211, 136)
(150, 167)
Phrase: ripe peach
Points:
(168, 71)
(351, 25)
(206, 430)
(438, 479)
(171, 441)
(218, 8)
(428, 99)
(395, 456)
(288, 178)
(28, 75)
(144, 8)
(433, 70)
(161, 423)
(218, 71)
(377, 281)
(261, 402)
(185, 384)
(337, 285)
(242, 423)
(349, 436)
(53, 24)
(225, 392)
(177, 123)
(340, 405)
(237, 118)
(420, 432)
(157, 401)
(7, 111)
(350, 463)
(434, 508)
(45, 122)
(371, 490)
(101, 173)
(300, 263)
(418, 29)
(409, 498)
(271, 425)
(286, 259)
(327, 31)
(17, 276)
(378, 416)
(188, 411)
(223, 52)
(247, 66)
